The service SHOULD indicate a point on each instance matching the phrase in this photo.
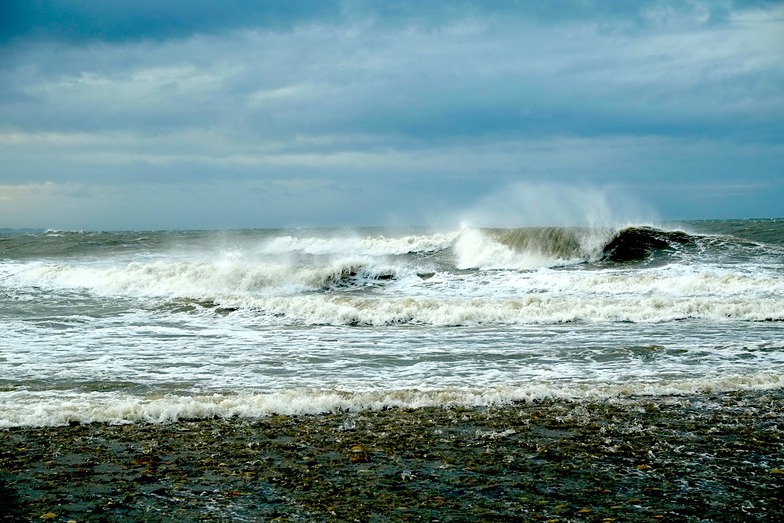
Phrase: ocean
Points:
(161, 326)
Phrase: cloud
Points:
(82, 21)
(120, 21)
(466, 81)
(427, 105)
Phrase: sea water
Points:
(158, 326)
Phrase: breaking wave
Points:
(472, 276)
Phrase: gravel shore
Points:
(689, 458)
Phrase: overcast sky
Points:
(232, 113)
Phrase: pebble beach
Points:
(702, 457)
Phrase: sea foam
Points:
(45, 409)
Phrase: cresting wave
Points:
(474, 276)
(41, 409)
(551, 244)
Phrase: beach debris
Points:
(358, 454)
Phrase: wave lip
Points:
(529, 248)
(639, 243)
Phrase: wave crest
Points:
(527, 248)
(639, 243)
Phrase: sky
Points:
(210, 114)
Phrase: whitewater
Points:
(158, 326)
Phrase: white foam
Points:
(233, 325)
(543, 296)
(198, 279)
(38, 409)
(532, 309)
(360, 246)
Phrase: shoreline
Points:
(702, 457)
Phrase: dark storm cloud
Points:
(120, 20)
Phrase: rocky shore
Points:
(690, 458)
